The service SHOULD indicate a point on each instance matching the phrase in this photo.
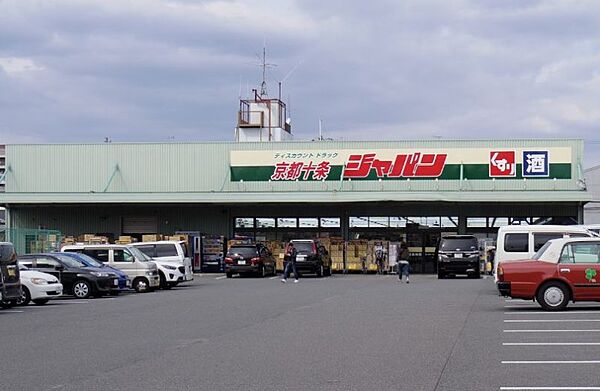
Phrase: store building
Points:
(392, 190)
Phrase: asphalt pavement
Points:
(351, 332)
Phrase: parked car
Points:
(516, 242)
(563, 270)
(77, 279)
(38, 287)
(10, 286)
(249, 259)
(174, 266)
(312, 257)
(143, 273)
(124, 281)
(458, 254)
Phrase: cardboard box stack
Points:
(336, 251)
(152, 238)
(125, 240)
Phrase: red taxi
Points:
(563, 270)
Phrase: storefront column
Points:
(462, 225)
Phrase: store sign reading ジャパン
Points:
(452, 164)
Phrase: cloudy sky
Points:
(160, 70)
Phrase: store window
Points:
(359, 222)
(265, 222)
(397, 222)
(476, 222)
(497, 222)
(287, 222)
(330, 222)
(449, 222)
(308, 222)
(244, 222)
(379, 222)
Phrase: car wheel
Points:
(262, 272)
(141, 284)
(40, 301)
(229, 274)
(25, 296)
(164, 284)
(82, 289)
(320, 271)
(553, 296)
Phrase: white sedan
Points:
(38, 287)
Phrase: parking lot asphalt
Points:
(351, 332)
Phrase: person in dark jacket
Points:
(290, 257)
(403, 265)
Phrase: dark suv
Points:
(10, 285)
(249, 259)
(458, 254)
(78, 279)
(312, 257)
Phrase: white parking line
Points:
(11, 312)
(273, 278)
(549, 312)
(550, 343)
(554, 362)
(549, 320)
(220, 278)
(549, 388)
(553, 331)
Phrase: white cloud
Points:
(16, 65)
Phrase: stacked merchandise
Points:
(277, 249)
(152, 238)
(212, 251)
(125, 240)
(356, 253)
(336, 252)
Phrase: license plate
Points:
(301, 258)
(458, 255)
(116, 282)
(241, 262)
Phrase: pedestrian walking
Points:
(403, 265)
(290, 257)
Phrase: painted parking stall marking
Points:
(550, 341)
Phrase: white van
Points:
(171, 257)
(516, 242)
(134, 263)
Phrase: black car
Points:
(77, 279)
(312, 257)
(458, 254)
(10, 285)
(249, 259)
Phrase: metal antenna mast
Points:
(264, 65)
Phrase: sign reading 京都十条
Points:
(400, 164)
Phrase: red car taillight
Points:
(228, 260)
(255, 260)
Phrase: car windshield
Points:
(23, 267)
(247, 251)
(459, 244)
(304, 247)
(71, 262)
(138, 254)
(87, 260)
(541, 251)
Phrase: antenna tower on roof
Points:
(264, 65)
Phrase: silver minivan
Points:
(142, 272)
